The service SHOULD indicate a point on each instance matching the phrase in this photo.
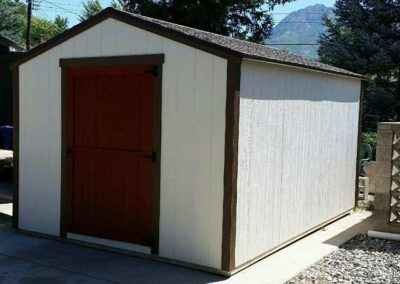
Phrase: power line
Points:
(60, 6)
(54, 5)
(300, 22)
(75, 10)
(306, 44)
(64, 4)
(61, 10)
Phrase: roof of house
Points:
(4, 41)
(216, 44)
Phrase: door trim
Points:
(150, 59)
(15, 99)
(157, 61)
(110, 243)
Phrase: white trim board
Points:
(109, 243)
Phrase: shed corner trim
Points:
(15, 91)
(231, 164)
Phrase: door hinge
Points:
(154, 157)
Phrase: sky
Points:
(71, 8)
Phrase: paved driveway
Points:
(25, 259)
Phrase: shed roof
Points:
(216, 44)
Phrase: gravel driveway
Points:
(360, 260)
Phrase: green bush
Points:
(368, 145)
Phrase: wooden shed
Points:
(187, 146)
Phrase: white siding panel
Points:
(297, 153)
(193, 131)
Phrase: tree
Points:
(60, 23)
(92, 7)
(118, 4)
(241, 19)
(13, 23)
(12, 19)
(42, 29)
(364, 37)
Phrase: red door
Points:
(110, 148)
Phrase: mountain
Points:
(301, 26)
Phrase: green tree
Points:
(13, 23)
(241, 19)
(118, 4)
(92, 7)
(364, 37)
(61, 24)
(42, 29)
(12, 19)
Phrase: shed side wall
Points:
(297, 154)
(192, 151)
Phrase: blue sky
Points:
(71, 8)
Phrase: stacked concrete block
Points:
(370, 170)
(363, 188)
(387, 179)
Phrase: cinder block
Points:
(383, 152)
(372, 186)
(382, 202)
(383, 185)
(395, 127)
(388, 125)
(384, 169)
(385, 138)
(384, 126)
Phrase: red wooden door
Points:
(110, 146)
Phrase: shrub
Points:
(368, 145)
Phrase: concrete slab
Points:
(26, 259)
(14, 270)
(286, 263)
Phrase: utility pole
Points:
(28, 27)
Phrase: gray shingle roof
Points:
(248, 49)
(214, 43)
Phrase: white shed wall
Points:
(193, 130)
(297, 153)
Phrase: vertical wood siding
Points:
(193, 129)
(297, 154)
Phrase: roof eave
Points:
(60, 38)
(194, 42)
(142, 24)
(291, 64)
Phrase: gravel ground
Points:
(360, 260)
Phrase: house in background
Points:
(180, 144)
(9, 53)
(7, 45)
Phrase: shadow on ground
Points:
(26, 259)
(378, 221)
